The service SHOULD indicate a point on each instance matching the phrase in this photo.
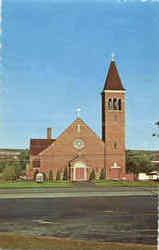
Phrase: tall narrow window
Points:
(115, 104)
(109, 104)
(119, 104)
(115, 117)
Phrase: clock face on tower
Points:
(78, 143)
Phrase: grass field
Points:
(126, 184)
(29, 184)
(13, 241)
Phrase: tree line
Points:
(12, 169)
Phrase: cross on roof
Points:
(113, 55)
(78, 112)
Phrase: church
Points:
(78, 150)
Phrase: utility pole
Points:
(157, 135)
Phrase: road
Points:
(77, 192)
(116, 218)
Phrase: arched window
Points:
(109, 104)
(119, 104)
(115, 104)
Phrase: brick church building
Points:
(79, 150)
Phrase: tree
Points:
(24, 158)
(58, 175)
(18, 169)
(11, 169)
(102, 174)
(9, 173)
(92, 175)
(137, 162)
(65, 175)
(50, 175)
(44, 176)
(3, 164)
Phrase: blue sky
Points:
(55, 58)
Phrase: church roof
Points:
(38, 145)
(78, 129)
(113, 81)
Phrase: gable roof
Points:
(69, 132)
(38, 145)
(113, 81)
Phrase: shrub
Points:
(65, 175)
(44, 176)
(102, 174)
(50, 175)
(58, 175)
(92, 175)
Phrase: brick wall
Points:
(62, 152)
(113, 132)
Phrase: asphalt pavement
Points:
(121, 219)
(77, 192)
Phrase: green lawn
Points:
(30, 184)
(9, 240)
(104, 183)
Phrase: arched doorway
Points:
(79, 171)
(115, 172)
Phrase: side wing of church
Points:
(78, 150)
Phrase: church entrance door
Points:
(79, 171)
(115, 172)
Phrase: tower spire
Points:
(113, 81)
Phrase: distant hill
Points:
(8, 154)
(154, 153)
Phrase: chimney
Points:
(49, 133)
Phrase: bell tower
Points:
(113, 124)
